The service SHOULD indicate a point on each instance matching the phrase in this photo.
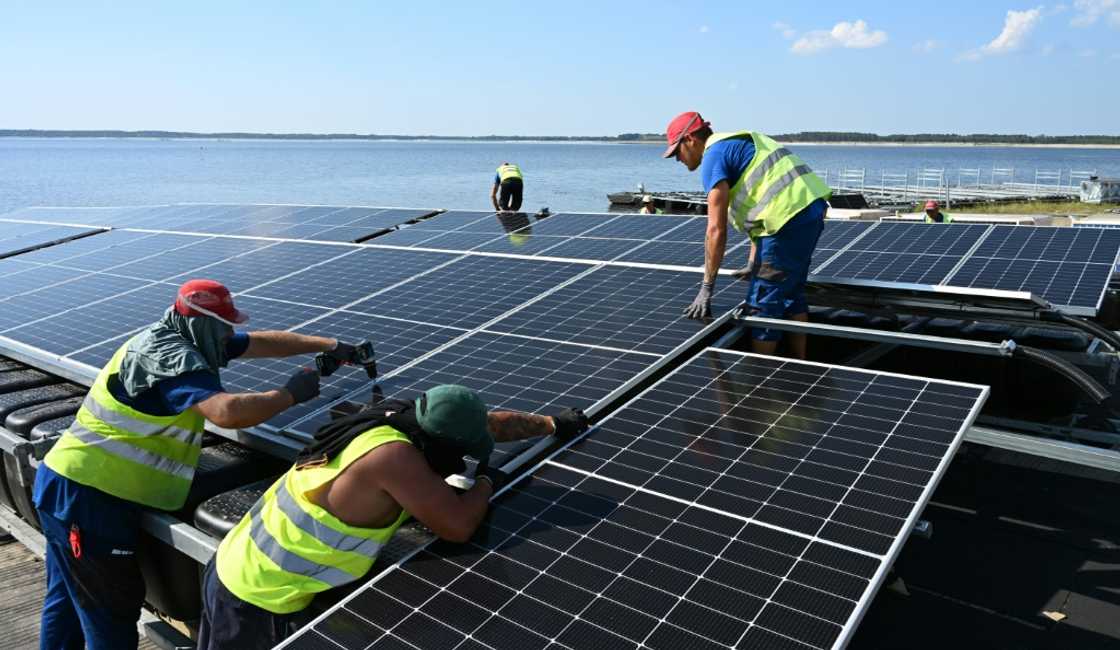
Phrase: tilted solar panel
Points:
(1065, 266)
(743, 502)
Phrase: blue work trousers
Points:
(94, 587)
(781, 269)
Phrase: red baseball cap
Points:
(682, 125)
(208, 298)
(932, 205)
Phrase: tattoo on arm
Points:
(511, 425)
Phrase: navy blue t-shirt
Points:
(70, 501)
(726, 160)
(173, 396)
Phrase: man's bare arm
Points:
(240, 410)
(494, 196)
(402, 472)
(512, 425)
(715, 242)
(273, 343)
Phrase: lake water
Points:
(441, 174)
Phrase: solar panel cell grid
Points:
(812, 465)
(469, 291)
(349, 277)
(629, 308)
(515, 373)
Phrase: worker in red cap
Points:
(763, 189)
(934, 213)
(135, 443)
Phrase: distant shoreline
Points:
(1054, 142)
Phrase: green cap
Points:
(456, 414)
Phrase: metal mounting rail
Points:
(1070, 452)
(1004, 349)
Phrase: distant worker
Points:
(934, 213)
(135, 444)
(322, 524)
(765, 190)
(648, 207)
(509, 181)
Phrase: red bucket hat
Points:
(208, 298)
(682, 125)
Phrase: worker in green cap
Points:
(322, 523)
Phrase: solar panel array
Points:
(675, 241)
(741, 502)
(313, 222)
(428, 311)
(1068, 267)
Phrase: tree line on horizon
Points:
(853, 137)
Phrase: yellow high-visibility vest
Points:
(286, 549)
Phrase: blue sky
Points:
(562, 68)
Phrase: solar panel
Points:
(469, 291)
(684, 254)
(837, 235)
(203, 252)
(268, 263)
(743, 501)
(515, 373)
(322, 223)
(65, 318)
(587, 248)
(18, 237)
(569, 224)
(451, 241)
(629, 308)
(123, 251)
(349, 277)
(413, 236)
(902, 252)
(455, 219)
(647, 226)
(1065, 266)
(520, 243)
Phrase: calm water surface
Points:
(443, 174)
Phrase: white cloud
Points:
(1016, 28)
(927, 46)
(843, 34)
(703, 29)
(786, 31)
(1088, 12)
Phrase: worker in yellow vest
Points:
(510, 183)
(934, 213)
(135, 443)
(322, 524)
(763, 189)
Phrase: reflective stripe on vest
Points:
(774, 187)
(286, 548)
(506, 172)
(131, 455)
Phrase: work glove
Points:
(743, 273)
(344, 352)
(701, 306)
(496, 477)
(303, 385)
(569, 424)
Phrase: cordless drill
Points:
(327, 364)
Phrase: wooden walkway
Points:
(23, 583)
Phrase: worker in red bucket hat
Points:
(934, 213)
(763, 189)
(135, 443)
